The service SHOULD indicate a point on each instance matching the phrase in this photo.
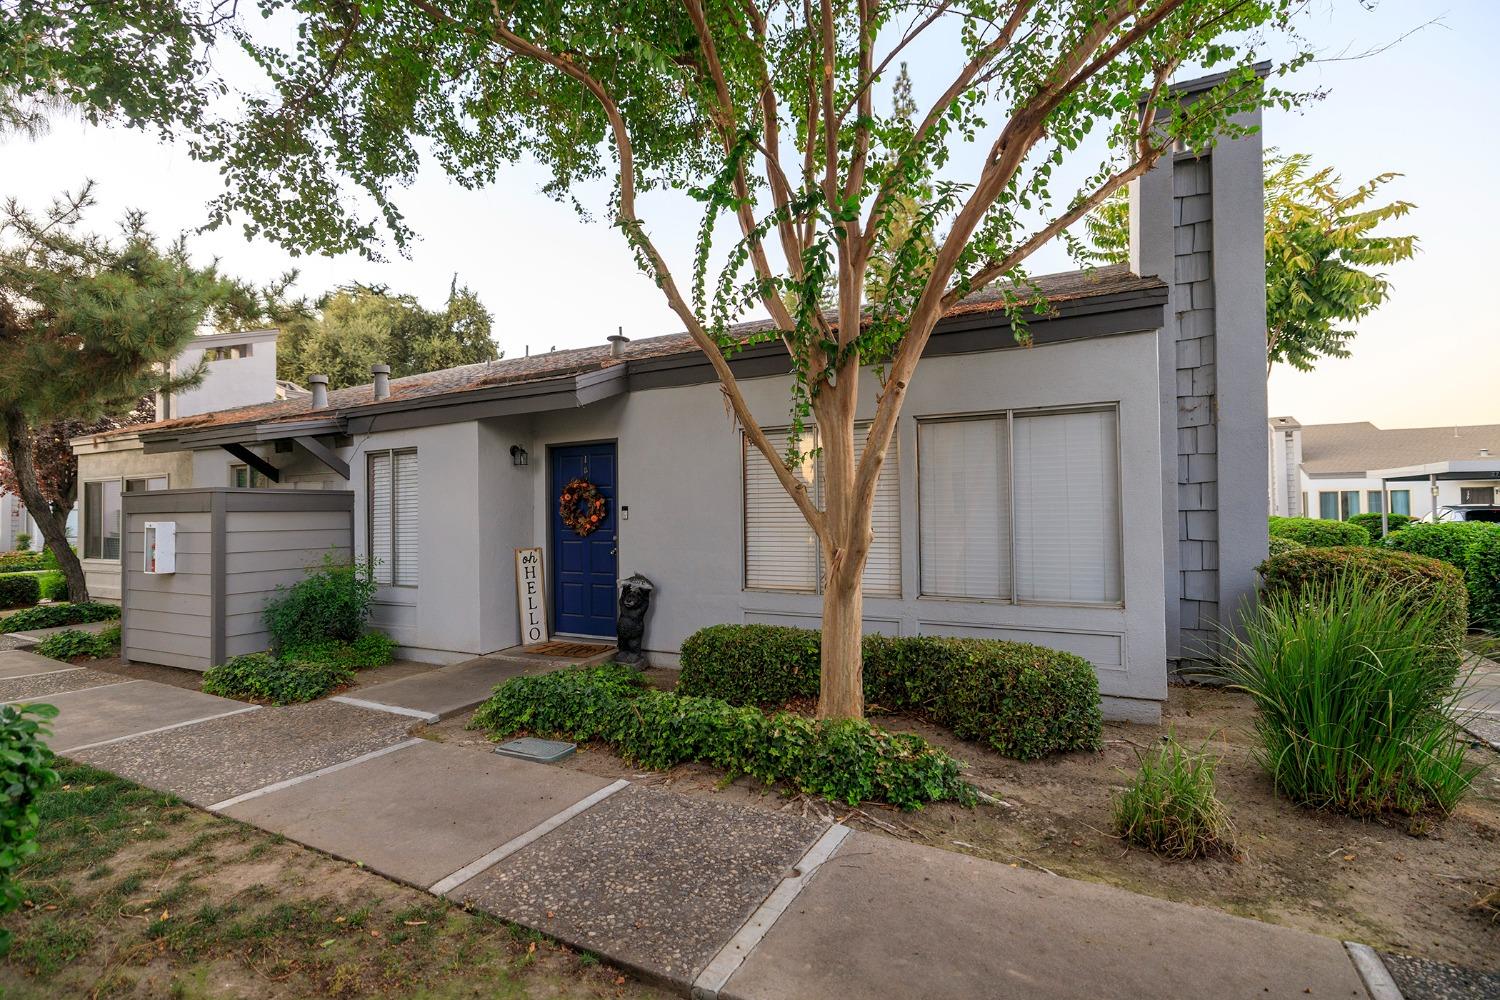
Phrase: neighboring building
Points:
(15, 522)
(240, 370)
(1334, 471)
(1098, 491)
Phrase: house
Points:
(240, 369)
(1097, 491)
(1335, 471)
(15, 523)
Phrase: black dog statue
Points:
(630, 626)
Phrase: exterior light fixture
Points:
(518, 455)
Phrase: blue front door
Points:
(583, 567)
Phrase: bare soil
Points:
(1389, 884)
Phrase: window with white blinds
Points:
(1022, 506)
(781, 551)
(393, 517)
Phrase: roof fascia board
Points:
(564, 394)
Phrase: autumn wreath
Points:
(582, 507)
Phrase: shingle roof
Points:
(1330, 449)
(1057, 288)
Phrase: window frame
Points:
(746, 448)
(1009, 417)
(84, 506)
(370, 457)
(250, 475)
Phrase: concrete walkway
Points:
(1481, 701)
(715, 899)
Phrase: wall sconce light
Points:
(518, 455)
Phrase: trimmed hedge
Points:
(260, 677)
(19, 590)
(1482, 574)
(1023, 701)
(1316, 532)
(1280, 545)
(1425, 580)
(54, 615)
(1371, 523)
(23, 562)
(847, 760)
(1473, 547)
(373, 649)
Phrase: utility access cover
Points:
(540, 751)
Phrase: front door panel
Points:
(583, 567)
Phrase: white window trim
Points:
(892, 454)
(1009, 415)
(250, 475)
(83, 514)
(370, 515)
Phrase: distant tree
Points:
(907, 244)
(1323, 256)
(360, 326)
(87, 328)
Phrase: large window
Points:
(1374, 501)
(102, 513)
(781, 551)
(1021, 506)
(393, 517)
(1328, 505)
(1401, 502)
(1476, 494)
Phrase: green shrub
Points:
(373, 649)
(1431, 583)
(1372, 523)
(260, 677)
(54, 586)
(25, 772)
(1471, 547)
(73, 643)
(847, 760)
(24, 562)
(1317, 532)
(332, 603)
(55, 615)
(23, 542)
(1283, 545)
(1022, 700)
(19, 590)
(1351, 717)
(1482, 576)
(1170, 807)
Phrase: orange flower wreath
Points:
(582, 507)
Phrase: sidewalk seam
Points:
(151, 732)
(277, 786)
(479, 865)
(63, 694)
(1372, 972)
(727, 961)
(431, 718)
(43, 673)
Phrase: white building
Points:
(1335, 471)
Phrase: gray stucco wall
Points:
(120, 459)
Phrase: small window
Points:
(243, 477)
(146, 485)
(101, 520)
(394, 488)
(231, 352)
(1328, 505)
(1348, 504)
(1401, 502)
(1374, 502)
(1477, 495)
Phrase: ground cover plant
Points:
(1170, 806)
(73, 644)
(1318, 532)
(22, 562)
(1351, 715)
(26, 771)
(55, 615)
(134, 893)
(260, 677)
(373, 649)
(1023, 700)
(846, 760)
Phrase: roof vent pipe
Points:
(319, 385)
(381, 375)
(617, 342)
(1484, 453)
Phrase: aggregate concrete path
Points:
(19, 663)
(887, 918)
(421, 812)
(447, 691)
(42, 687)
(221, 758)
(1481, 702)
(130, 708)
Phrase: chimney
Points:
(617, 342)
(319, 385)
(381, 376)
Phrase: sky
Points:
(1422, 108)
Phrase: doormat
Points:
(560, 647)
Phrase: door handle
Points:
(614, 551)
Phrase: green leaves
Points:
(26, 770)
(260, 677)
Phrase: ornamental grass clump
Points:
(1170, 807)
(1352, 715)
(846, 760)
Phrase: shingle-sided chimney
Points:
(381, 375)
(319, 385)
(1197, 221)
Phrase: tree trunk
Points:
(54, 526)
(845, 545)
(841, 694)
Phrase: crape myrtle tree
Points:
(765, 112)
(88, 326)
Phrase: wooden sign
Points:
(531, 596)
